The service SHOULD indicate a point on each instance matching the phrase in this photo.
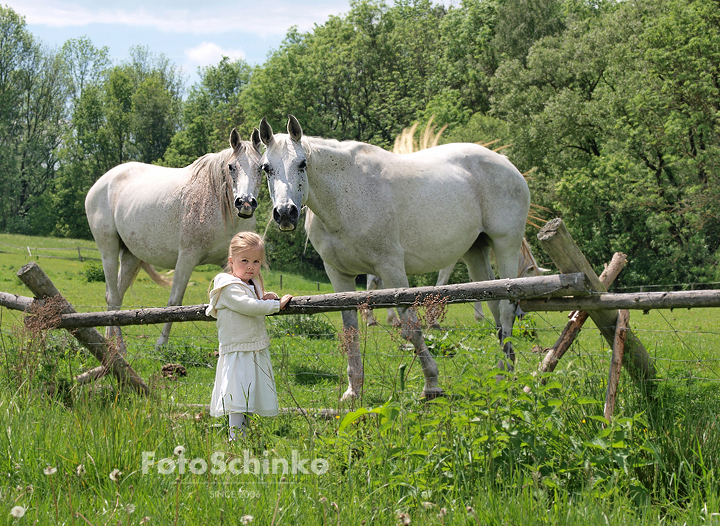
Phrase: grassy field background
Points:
(486, 453)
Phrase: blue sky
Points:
(190, 33)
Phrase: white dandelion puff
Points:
(247, 519)
(17, 512)
(50, 470)
(115, 475)
(179, 451)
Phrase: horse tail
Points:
(155, 275)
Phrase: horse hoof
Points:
(349, 395)
(431, 394)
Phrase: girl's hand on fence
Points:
(284, 300)
(270, 296)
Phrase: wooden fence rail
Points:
(512, 289)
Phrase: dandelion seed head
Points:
(179, 451)
(427, 505)
(246, 519)
(17, 512)
(80, 470)
(49, 470)
(115, 475)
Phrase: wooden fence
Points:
(577, 288)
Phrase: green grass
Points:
(511, 457)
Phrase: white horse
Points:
(172, 217)
(435, 206)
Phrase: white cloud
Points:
(272, 17)
(209, 53)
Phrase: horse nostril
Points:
(276, 215)
(253, 202)
(294, 213)
(238, 202)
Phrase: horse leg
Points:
(129, 266)
(350, 339)
(479, 267)
(108, 242)
(507, 255)
(477, 260)
(412, 332)
(181, 277)
(367, 313)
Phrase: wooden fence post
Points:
(578, 318)
(559, 244)
(41, 286)
(616, 362)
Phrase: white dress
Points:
(244, 380)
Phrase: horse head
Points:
(285, 164)
(246, 172)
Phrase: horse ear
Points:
(266, 133)
(235, 141)
(294, 128)
(256, 142)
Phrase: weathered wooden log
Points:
(616, 362)
(92, 375)
(679, 299)
(559, 244)
(15, 302)
(578, 318)
(40, 285)
(558, 284)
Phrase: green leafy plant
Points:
(93, 271)
(314, 327)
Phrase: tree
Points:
(211, 111)
(361, 77)
(128, 112)
(32, 95)
(618, 117)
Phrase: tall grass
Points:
(490, 452)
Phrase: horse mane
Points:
(209, 183)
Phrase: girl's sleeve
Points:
(235, 298)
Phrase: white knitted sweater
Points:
(240, 314)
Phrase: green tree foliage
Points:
(211, 111)
(362, 77)
(32, 121)
(615, 105)
(617, 115)
(127, 112)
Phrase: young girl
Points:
(244, 381)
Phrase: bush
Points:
(93, 271)
(313, 327)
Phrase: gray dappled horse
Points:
(435, 206)
(175, 218)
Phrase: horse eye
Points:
(231, 167)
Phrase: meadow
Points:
(487, 453)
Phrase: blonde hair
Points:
(242, 242)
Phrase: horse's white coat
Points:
(174, 218)
(435, 206)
